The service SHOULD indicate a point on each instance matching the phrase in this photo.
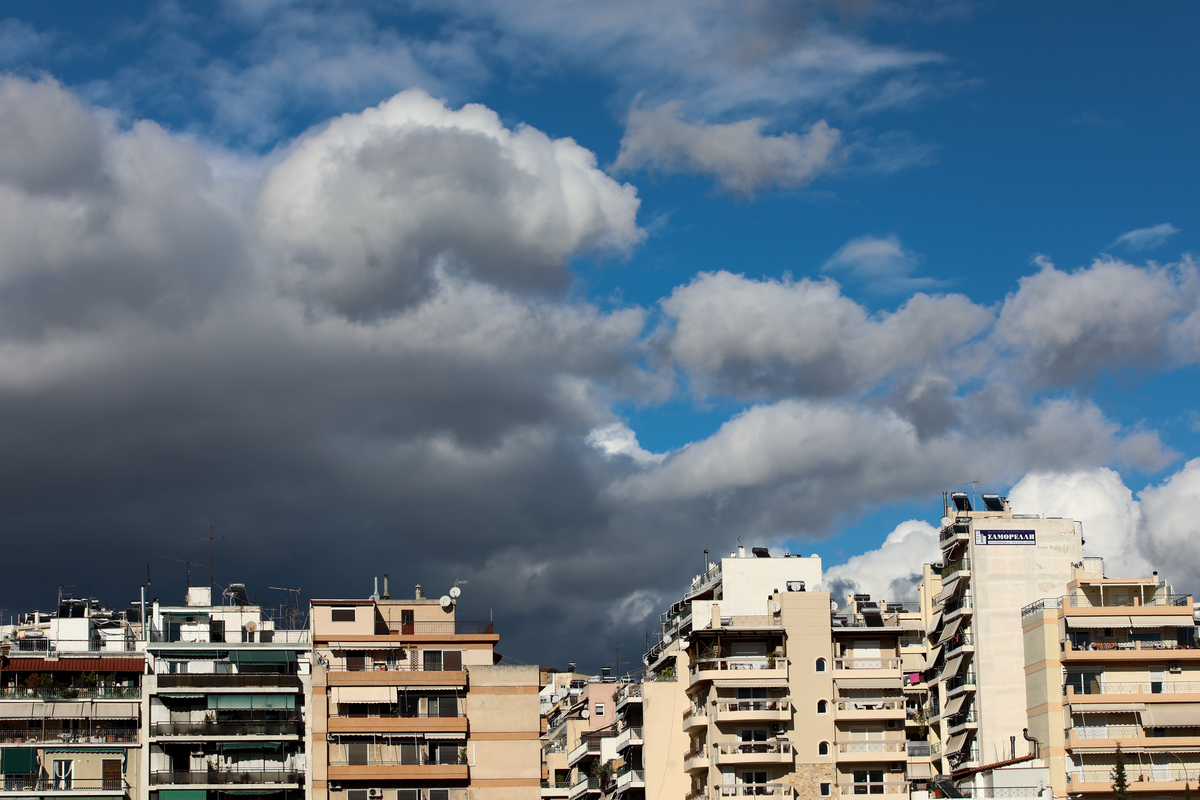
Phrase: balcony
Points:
(696, 759)
(395, 675)
(1159, 780)
(229, 680)
(584, 787)
(960, 641)
(57, 736)
(750, 668)
(588, 747)
(285, 728)
(1133, 691)
(961, 683)
(871, 708)
(960, 565)
(958, 606)
(403, 723)
(961, 721)
(52, 786)
(954, 533)
(872, 667)
(421, 768)
(878, 787)
(873, 751)
(225, 777)
(746, 753)
(450, 627)
(630, 779)
(1158, 600)
(631, 693)
(923, 750)
(695, 717)
(556, 789)
(72, 693)
(772, 710)
(630, 737)
(759, 790)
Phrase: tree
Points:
(1120, 783)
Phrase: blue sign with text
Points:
(1005, 537)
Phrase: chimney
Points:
(571, 666)
(420, 594)
(386, 594)
(741, 551)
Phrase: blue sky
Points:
(821, 260)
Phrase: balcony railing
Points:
(870, 704)
(779, 704)
(53, 736)
(456, 627)
(742, 663)
(589, 746)
(958, 720)
(228, 680)
(955, 566)
(1086, 600)
(398, 666)
(958, 642)
(920, 750)
(71, 693)
(420, 760)
(227, 776)
(950, 531)
(958, 603)
(1141, 687)
(628, 692)
(755, 748)
(249, 728)
(958, 681)
(31, 783)
(872, 747)
(759, 790)
(708, 578)
(695, 711)
(1135, 775)
(1109, 731)
(879, 787)
(866, 663)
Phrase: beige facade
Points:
(1114, 662)
(408, 704)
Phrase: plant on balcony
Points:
(666, 673)
(1120, 783)
(602, 772)
(36, 680)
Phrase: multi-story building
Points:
(225, 699)
(71, 704)
(410, 704)
(995, 562)
(1114, 663)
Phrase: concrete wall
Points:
(504, 750)
(663, 704)
(747, 583)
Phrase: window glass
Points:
(342, 614)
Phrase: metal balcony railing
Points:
(776, 704)
(742, 663)
(871, 704)
(420, 760)
(872, 747)
(1136, 775)
(958, 603)
(959, 681)
(228, 680)
(878, 787)
(1093, 600)
(759, 790)
(248, 728)
(874, 662)
(456, 627)
(753, 748)
(1140, 687)
(163, 778)
(71, 693)
(31, 783)
(55, 736)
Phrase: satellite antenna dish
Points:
(446, 601)
(251, 626)
(455, 592)
(585, 713)
(833, 605)
(775, 607)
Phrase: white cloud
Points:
(1068, 326)
(357, 215)
(882, 263)
(1146, 238)
(746, 337)
(1168, 531)
(738, 154)
(891, 571)
(618, 438)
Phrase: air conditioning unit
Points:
(374, 794)
(892, 723)
(1176, 668)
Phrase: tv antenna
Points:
(974, 485)
(64, 586)
(619, 662)
(210, 538)
(290, 612)
(187, 567)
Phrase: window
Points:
(822, 707)
(823, 749)
(407, 624)
(356, 660)
(408, 794)
(599, 709)
(754, 777)
(356, 753)
(868, 781)
(343, 614)
(64, 774)
(821, 665)
(356, 794)
(432, 660)
(439, 794)
(826, 789)
(442, 660)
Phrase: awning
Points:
(247, 791)
(952, 665)
(935, 620)
(949, 587)
(133, 663)
(950, 630)
(190, 655)
(866, 683)
(18, 760)
(167, 694)
(181, 794)
(955, 704)
(933, 656)
(447, 735)
(115, 711)
(1168, 715)
(262, 656)
(1161, 621)
(274, 701)
(912, 662)
(231, 701)
(1097, 708)
(1097, 622)
(16, 711)
(60, 710)
(250, 745)
(956, 743)
(364, 694)
(182, 613)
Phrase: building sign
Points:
(1005, 537)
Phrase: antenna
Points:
(210, 538)
(974, 485)
(290, 612)
(64, 586)
(187, 567)
(619, 662)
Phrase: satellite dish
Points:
(446, 601)
(251, 626)
(585, 713)
(833, 605)
(455, 592)
(775, 607)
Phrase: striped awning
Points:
(1078, 623)
(956, 743)
(955, 704)
(1171, 715)
(1161, 621)
(951, 630)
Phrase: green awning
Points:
(189, 655)
(183, 613)
(231, 701)
(263, 656)
(182, 794)
(274, 701)
(18, 760)
(250, 745)
(251, 791)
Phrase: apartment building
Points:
(410, 704)
(71, 703)
(1113, 663)
(995, 562)
(225, 699)
(585, 746)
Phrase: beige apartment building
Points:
(1114, 662)
(410, 704)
